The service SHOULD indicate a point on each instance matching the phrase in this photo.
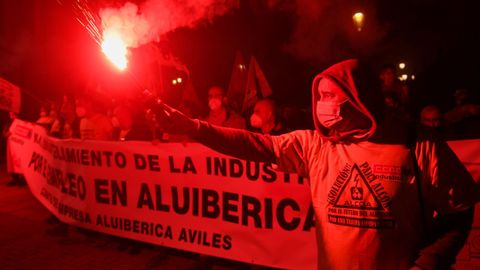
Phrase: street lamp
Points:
(358, 19)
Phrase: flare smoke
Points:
(139, 25)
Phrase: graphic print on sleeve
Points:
(357, 198)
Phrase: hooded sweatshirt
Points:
(372, 209)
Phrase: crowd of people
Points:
(87, 117)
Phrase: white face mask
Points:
(80, 111)
(214, 104)
(328, 113)
(256, 121)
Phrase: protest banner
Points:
(186, 196)
(9, 96)
(182, 196)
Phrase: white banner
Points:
(182, 196)
(186, 196)
(9, 96)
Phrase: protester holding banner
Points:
(46, 118)
(383, 199)
(67, 125)
(94, 124)
(17, 178)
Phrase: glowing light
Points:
(179, 80)
(413, 77)
(174, 82)
(358, 19)
(404, 77)
(115, 49)
(401, 65)
(241, 67)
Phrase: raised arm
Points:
(239, 143)
(234, 142)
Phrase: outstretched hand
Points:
(173, 121)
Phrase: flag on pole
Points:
(257, 85)
(238, 82)
(10, 96)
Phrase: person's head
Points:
(264, 114)
(334, 109)
(44, 110)
(88, 105)
(387, 74)
(346, 101)
(431, 116)
(53, 110)
(461, 96)
(83, 106)
(67, 110)
(331, 98)
(216, 98)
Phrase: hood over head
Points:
(358, 81)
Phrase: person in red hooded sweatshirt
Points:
(385, 195)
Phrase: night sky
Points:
(47, 52)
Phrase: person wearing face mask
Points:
(94, 125)
(266, 118)
(431, 116)
(45, 119)
(67, 125)
(384, 196)
(17, 179)
(219, 114)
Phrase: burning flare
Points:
(115, 49)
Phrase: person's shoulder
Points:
(235, 120)
(302, 135)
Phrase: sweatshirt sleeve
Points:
(286, 151)
(238, 143)
(292, 151)
(448, 186)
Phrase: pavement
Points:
(25, 244)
